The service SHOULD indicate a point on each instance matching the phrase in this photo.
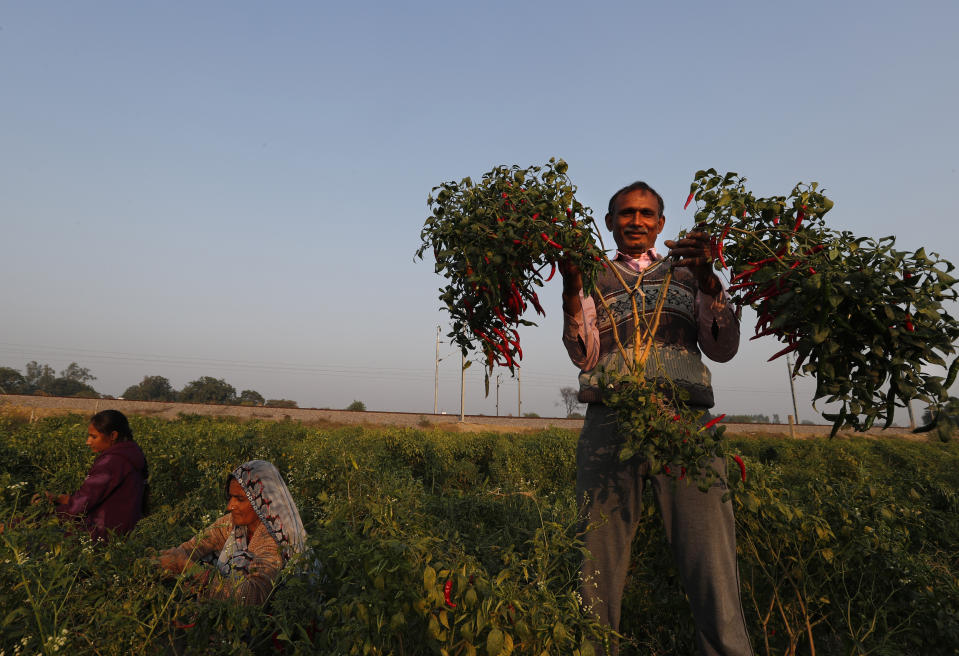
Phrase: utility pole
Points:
(498, 376)
(792, 388)
(462, 386)
(519, 392)
(436, 371)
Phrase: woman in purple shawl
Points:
(113, 495)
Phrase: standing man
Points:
(696, 318)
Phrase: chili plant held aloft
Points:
(496, 241)
(866, 320)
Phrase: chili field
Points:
(428, 542)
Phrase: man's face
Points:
(635, 222)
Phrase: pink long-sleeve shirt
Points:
(581, 335)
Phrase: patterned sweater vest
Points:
(675, 354)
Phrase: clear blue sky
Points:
(236, 189)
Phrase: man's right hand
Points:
(572, 287)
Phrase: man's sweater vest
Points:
(675, 354)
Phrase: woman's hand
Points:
(172, 560)
(55, 499)
(199, 580)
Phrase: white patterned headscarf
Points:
(270, 498)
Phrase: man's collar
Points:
(650, 255)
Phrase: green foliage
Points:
(77, 373)
(858, 537)
(747, 419)
(151, 388)
(207, 389)
(865, 319)
(281, 403)
(675, 439)
(12, 381)
(250, 397)
(41, 379)
(38, 376)
(357, 406)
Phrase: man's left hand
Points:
(694, 251)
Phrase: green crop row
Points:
(845, 546)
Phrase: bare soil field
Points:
(34, 407)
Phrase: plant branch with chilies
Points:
(866, 320)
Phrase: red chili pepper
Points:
(569, 211)
(812, 271)
(763, 333)
(799, 218)
(519, 298)
(722, 238)
(788, 349)
(776, 221)
(499, 315)
(909, 325)
(689, 199)
(551, 272)
(713, 422)
(539, 308)
(447, 588)
(745, 274)
(502, 349)
(676, 417)
(742, 467)
(500, 219)
(548, 240)
(740, 285)
(682, 471)
(505, 195)
(517, 241)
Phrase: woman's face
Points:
(240, 508)
(98, 441)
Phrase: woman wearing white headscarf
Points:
(259, 534)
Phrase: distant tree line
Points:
(750, 419)
(42, 380)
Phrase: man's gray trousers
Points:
(699, 526)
